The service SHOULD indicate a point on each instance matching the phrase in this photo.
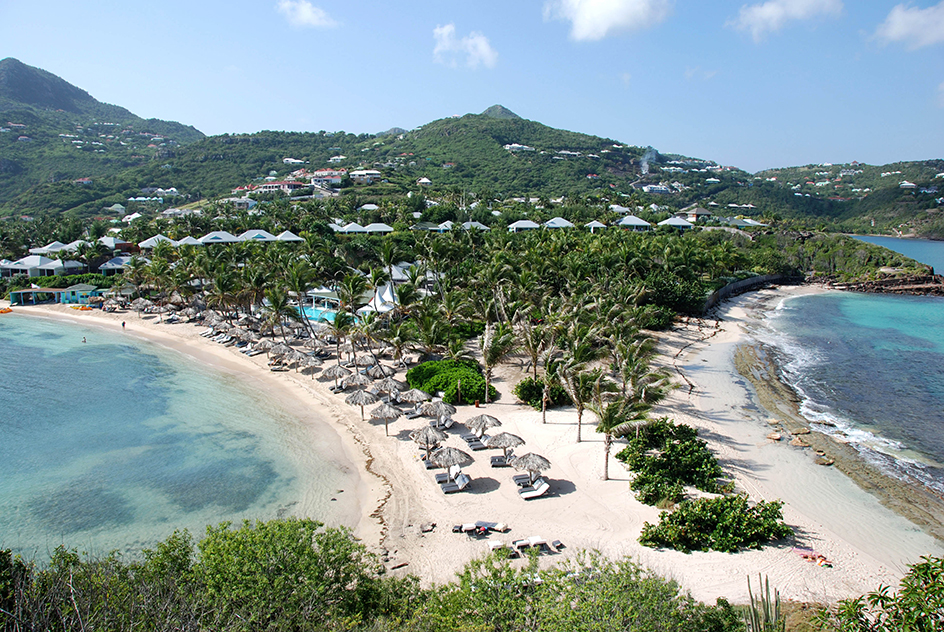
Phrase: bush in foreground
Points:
(918, 606)
(726, 523)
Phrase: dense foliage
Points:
(725, 523)
(665, 457)
(296, 575)
(531, 392)
(918, 606)
(460, 381)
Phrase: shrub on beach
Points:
(445, 375)
(725, 523)
(531, 392)
(666, 456)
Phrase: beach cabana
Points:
(48, 249)
(476, 225)
(384, 300)
(523, 225)
(77, 294)
(257, 234)
(219, 237)
(631, 222)
(677, 222)
(558, 222)
(149, 243)
(287, 235)
(352, 228)
(60, 266)
(378, 228)
(28, 265)
(32, 296)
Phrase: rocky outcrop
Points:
(922, 285)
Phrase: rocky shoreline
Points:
(910, 500)
(915, 285)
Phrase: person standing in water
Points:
(83, 339)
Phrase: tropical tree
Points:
(277, 310)
(617, 419)
(496, 344)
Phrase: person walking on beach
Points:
(122, 325)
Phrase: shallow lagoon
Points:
(114, 443)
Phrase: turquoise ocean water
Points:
(114, 443)
(871, 368)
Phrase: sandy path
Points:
(867, 542)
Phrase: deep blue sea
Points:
(114, 443)
(871, 365)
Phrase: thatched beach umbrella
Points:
(386, 412)
(361, 398)
(311, 362)
(504, 440)
(480, 423)
(428, 438)
(437, 409)
(380, 371)
(264, 345)
(358, 379)
(334, 372)
(280, 349)
(414, 395)
(365, 360)
(389, 385)
(532, 463)
(448, 456)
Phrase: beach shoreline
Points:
(407, 520)
(756, 362)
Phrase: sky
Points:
(756, 84)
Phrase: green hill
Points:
(53, 131)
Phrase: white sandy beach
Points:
(867, 543)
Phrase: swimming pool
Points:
(318, 314)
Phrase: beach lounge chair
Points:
(529, 493)
(462, 482)
(558, 545)
(522, 480)
(539, 543)
(476, 445)
(451, 475)
(206, 332)
(495, 545)
(413, 415)
(502, 460)
(497, 527)
(254, 352)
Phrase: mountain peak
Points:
(499, 112)
(36, 87)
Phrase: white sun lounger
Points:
(461, 483)
(451, 475)
(529, 493)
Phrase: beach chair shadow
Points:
(484, 485)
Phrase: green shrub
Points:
(665, 456)
(444, 375)
(531, 392)
(726, 523)
(655, 318)
(469, 330)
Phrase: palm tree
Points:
(496, 343)
(340, 328)
(615, 420)
(277, 309)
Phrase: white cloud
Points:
(302, 13)
(771, 16)
(475, 47)
(593, 20)
(913, 26)
(698, 73)
(627, 78)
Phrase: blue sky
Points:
(755, 84)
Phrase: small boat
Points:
(5, 310)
